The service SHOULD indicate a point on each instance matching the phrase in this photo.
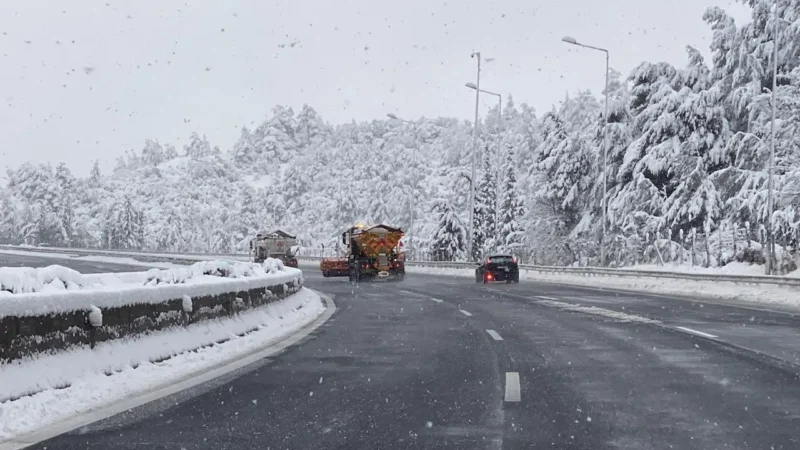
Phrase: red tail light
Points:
(487, 261)
(514, 259)
(489, 275)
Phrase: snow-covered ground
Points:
(754, 294)
(84, 370)
(733, 268)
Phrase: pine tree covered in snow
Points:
(484, 236)
(65, 206)
(95, 174)
(198, 147)
(511, 235)
(244, 151)
(152, 153)
(449, 239)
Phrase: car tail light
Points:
(489, 275)
(514, 259)
(487, 261)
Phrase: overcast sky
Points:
(87, 79)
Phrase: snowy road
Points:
(439, 362)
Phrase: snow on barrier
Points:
(55, 308)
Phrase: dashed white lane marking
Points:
(546, 298)
(466, 313)
(410, 293)
(699, 333)
(437, 300)
(513, 392)
(494, 335)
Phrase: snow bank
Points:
(20, 280)
(24, 280)
(129, 360)
(733, 268)
(225, 269)
(55, 289)
(785, 296)
(755, 294)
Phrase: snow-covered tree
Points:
(274, 139)
(197, 147)
(170, 152)
(310, 129)
(65, 205)
(244, 151)
(248, 216)
(484, 236)
(563, 162)
(511, 235)
(449, 239)
(46, 228)
(95, 174)
(152, 153)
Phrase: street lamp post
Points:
(476, 55)
(413, 204)
(499, 117)
(573, 41)
(499, 105)
(770, 200)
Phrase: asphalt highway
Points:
(438, 362)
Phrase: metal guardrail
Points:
(582, 271)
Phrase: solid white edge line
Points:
(437, 300)
(513, 391)
(494, 335)
(466, 313)
(699, 333)
(200, 377)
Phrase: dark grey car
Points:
(498, 268)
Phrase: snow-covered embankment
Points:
(147, 329)
(755, 294)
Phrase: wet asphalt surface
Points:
(432, 363)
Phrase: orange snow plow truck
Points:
(373, 252)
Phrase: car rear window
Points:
(501, 259)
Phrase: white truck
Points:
(277, 244)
